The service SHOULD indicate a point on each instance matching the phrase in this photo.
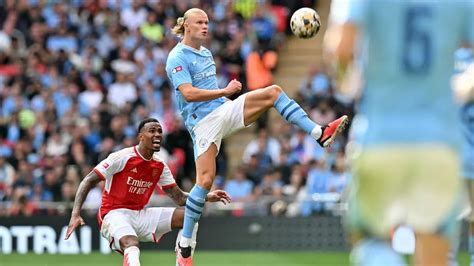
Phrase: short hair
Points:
(144, 122)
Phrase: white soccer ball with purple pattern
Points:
(305, 23)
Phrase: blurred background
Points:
(76, 77)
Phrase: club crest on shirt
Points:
(177, 69)
(202, 143)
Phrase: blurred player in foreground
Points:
(209, 116)
(463, 86)
(131, 175)
(406, 136)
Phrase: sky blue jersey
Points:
(406, 48)
(463, 58)
(188, 65)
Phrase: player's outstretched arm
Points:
(85, 186)
(177, 195)
(180, 197)
(193, 94)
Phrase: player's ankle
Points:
(185, 242)
(317, 132)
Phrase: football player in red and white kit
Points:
(131, 176)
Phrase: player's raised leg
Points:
(205, 171)
(131, 252)
(259, 101)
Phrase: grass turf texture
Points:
(201, 258)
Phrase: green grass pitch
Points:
(201, 258)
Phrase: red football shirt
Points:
(130, 180)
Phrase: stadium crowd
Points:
(77, 76)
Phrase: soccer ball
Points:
(305, 23)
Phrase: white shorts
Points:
(418, 186)
(149, 225)
(218, 124)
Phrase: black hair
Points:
(144, 122)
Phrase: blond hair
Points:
(178, 29)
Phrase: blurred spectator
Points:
(340, 178)
(134, 16)
(239, 188)
(264, 28)
(151, 29)
(57, 144)
(233, 61)
(91, 97)
(68, 192)
(271, 185)
(323, 113)
(271, 145)
(20, 206)
(62, 40)
(283, 167)
(296, 182)
(316, 84)
(317, 183)
(52, 184)
(7, 173)
(302, 148)
(94, 198)
(246, 8)
(122, 91)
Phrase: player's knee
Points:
(129, 241)
(274, 92)
(177, 220)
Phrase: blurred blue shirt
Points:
(238, 189)
(407, 65)
(463, 58)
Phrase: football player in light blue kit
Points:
(209, 116)
(406, 136)
(463, 86)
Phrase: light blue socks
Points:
(371, 252)
(192, 213)
(293, 113)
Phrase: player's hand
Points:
(76, 220)
(218, 195)
(234, 86)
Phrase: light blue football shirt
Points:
(188, 65)
(463, 58)
(406, 48)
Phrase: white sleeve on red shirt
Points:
(111, 165)
(166, 178)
